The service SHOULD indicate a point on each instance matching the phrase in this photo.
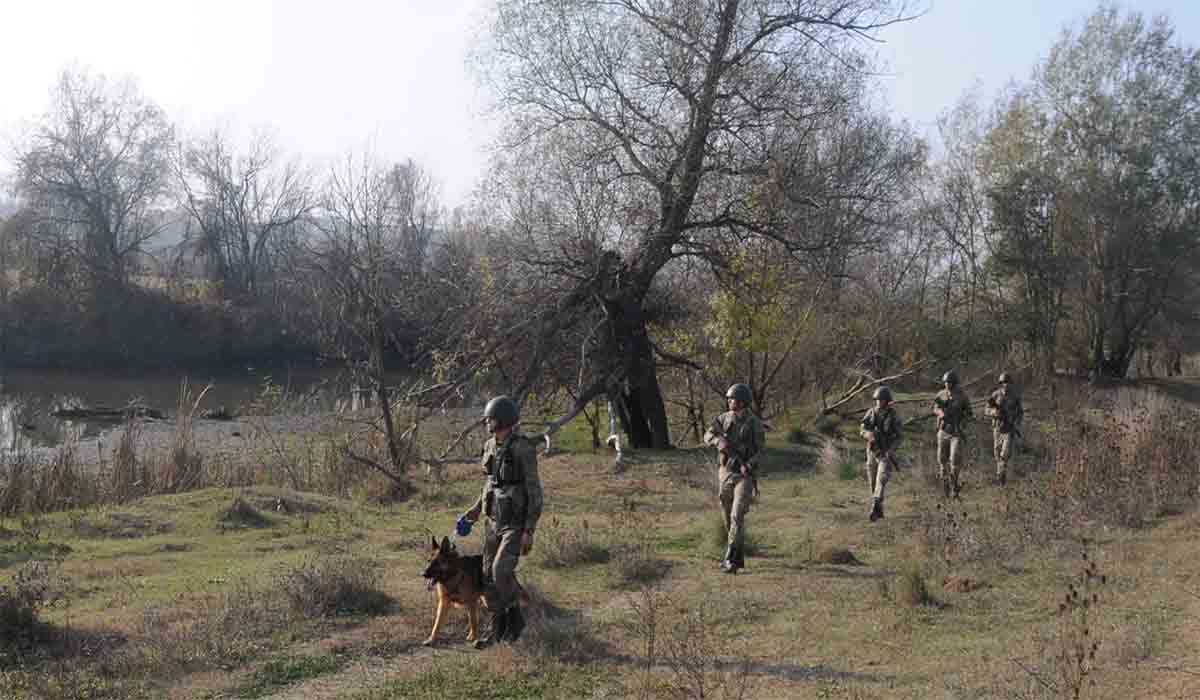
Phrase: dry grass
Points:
(656, 619)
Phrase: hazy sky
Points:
(328, 77)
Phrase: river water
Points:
(28, 398)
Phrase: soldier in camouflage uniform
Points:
(512, 502)
(880, 427)
(953, 410)
(739, 437)
(1005, 409)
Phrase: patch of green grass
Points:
(686, 544)
(718, 538)
(279, 673)
(23, 550)
(849, 470)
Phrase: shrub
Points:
(241, 514)
(336, 585)
(562, 547)
(32, 589)
(633, 559)
(910, 588)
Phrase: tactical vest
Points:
(506, 485)
(1005, 406)
(954, 411)
(876, 421)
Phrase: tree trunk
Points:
(643, 398)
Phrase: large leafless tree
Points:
(700, 116)
(365, 275)
(96, 168)
(241, 205)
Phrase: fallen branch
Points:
(862, 385)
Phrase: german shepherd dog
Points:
(458, 580)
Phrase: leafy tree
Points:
(1094, 173)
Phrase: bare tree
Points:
(96, 167)
(366, 270)
(241, 205)
(698, 112)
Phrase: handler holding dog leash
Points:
(738, 436)
(512, 502)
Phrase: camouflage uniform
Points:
(1006, 412)
(746, 437)
(881, 428)
(512, 502)
(956, 410)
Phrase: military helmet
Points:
(1004, 378)
(503, 409)
(950, 377)
(883, 393)
(741, 392)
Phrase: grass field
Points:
(297, 595)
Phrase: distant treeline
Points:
(662, 220)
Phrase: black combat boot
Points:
(876, 510)
(497, 631)
(739, 558)
(946, 486)
(957, 486)
(1002, 479)
(515, 625)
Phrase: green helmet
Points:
(504, 410)
(1004, 378)
(741, 392)
(883, 393)
(950, 377)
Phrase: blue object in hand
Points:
(463, 526)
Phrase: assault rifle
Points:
(1002, 414)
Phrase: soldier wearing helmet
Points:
(880, 427)
(739, 437)
(512, 502)
(1006, 411)
(953, 410)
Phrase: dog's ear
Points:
(433, 543)
(445, 544)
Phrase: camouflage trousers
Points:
(950, 450)
(501, 552)
(735, 492)
(1002, 446)
(879, 472)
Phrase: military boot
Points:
(516, 623)
(945, 487)
(1002, 478)
(496, 632)
(876, 510)
(729, 562)
(956, 486)
(739, 558)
